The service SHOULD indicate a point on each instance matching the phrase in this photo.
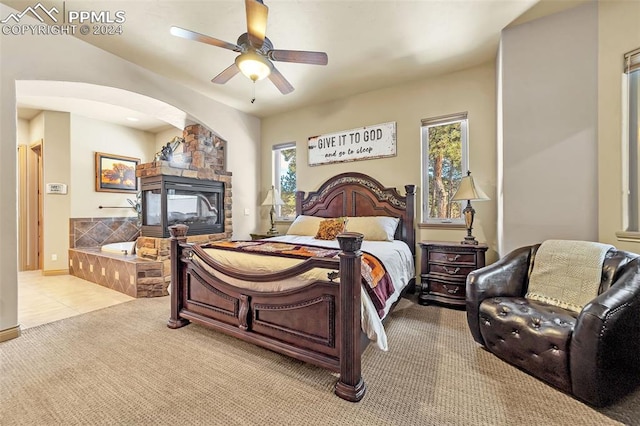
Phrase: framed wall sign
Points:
(116, 173)
(364, 143)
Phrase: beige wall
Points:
(23, 137)
(549, 129)
(619, 33)
(89, 136)
(56, 160)
(471, 90)
(161, 138)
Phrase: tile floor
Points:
(43, 299)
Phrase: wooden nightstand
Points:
(264, 235)
(444, 267)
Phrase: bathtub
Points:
(126, 247)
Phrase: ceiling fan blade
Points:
(257, 14)
(226, 75)
(299, 56)
(280, 82)
(192, 35)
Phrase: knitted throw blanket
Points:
(567, 273)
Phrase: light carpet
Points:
(123, 366)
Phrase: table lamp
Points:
(470, 192)
(272, 199)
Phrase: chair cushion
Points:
(567, 273)
(531, 335)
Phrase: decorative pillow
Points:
(330, 228)
(305, 225)
(374, 228)
(567, 273)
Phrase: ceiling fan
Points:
(256, 50)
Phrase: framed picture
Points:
(116, 173)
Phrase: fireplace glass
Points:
(168, 200)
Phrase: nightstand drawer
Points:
(449, 257)
(447, 289)
(451, 270)
(444, 267)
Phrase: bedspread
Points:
(396, 256)
(376, 279)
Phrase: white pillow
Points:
(374, 228)
(305, 225)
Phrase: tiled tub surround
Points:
(147, 273)
(131, 275)
(128, 274)
(96, 231)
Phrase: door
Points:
(36, 221)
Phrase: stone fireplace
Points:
(192, 188)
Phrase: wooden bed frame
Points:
(318, 323)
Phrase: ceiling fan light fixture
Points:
(254, 66)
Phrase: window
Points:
(444, 163)
(631, 136)
(284, 178)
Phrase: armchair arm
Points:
(506, 277)
(606, 341)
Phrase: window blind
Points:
(443, 119)
(632, 61)
(283, 146)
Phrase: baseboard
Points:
(50, 272)
(10, 333)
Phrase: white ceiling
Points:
(370, 44)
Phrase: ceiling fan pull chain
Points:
(253, 92)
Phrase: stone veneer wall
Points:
(202, 157)
(127, 274)
(98, 231)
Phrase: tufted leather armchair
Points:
(593, 355)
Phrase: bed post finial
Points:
(299, 198)
(178, 236)
(411, 212)
(350, 386)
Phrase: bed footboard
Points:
(319, 323)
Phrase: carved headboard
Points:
(357, 194)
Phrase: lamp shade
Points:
(273, 198)
(468, 190)
(253, 65)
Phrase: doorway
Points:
(30, 207)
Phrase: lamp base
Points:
(470, 240)
(469, 212)
(272, 213)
